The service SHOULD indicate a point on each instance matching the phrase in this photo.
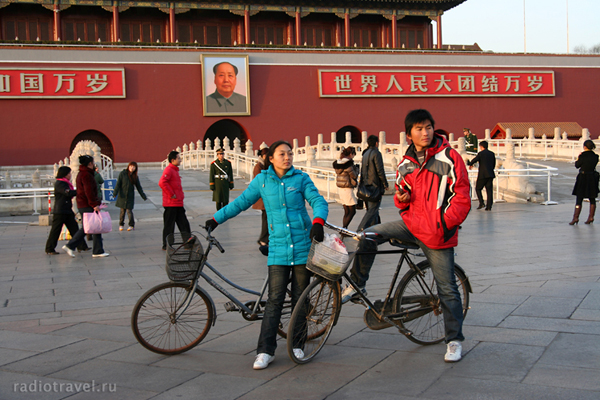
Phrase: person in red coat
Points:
(170, 183)
(432, 193)
(87, 202)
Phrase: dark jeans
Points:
(80, 235)
(129, 215)
(264, 230)
(579, 201)
(58, 220)
(442, 266)
(172, 216)
(371, 217)
(279, 277)
(486, 183)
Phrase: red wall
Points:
(163, 110)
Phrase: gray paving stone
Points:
(488, 314)
(547, 307)
(98, 331)
(513, 336)
(561, 376)
(573, 350)
(551, 324)
(32, 341)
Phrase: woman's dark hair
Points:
(590, 145)
(348, 151)
(263, 152)
(86, 160)
(62, 172)
(274, 146)
(132, 175)
(416, 117)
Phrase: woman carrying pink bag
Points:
(87, 202)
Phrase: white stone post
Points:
(310, 156)
(192, 146)
(207, 144)
(557, 133)
(199, 144)
(319, 152)
(403, 144)
(488, 135)
(451, 137)
(217, 143)
(237, 145)
(249, 148)
(226, 144)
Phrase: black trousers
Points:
(172, 216)
(486, 183)
(58, 220)
(79, 237)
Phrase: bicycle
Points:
(415, 308)
(175, 316)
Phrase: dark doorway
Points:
(226, 128)
(355, 134)
(97, 137)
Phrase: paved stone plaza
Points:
(533, 330)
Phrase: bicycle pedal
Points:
(230, 306)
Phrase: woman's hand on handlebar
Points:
(210, 225)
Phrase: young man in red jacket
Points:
(87, 202)
(170, 183)
(432, 193)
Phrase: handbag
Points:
(96, 223)
(370, 193)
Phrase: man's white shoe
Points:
(298, 353)
(105, 254)
(454, 352)
(263, 360)
(68, 251)
(349, 292)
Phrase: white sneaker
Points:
(299, 353)
(105, 254)
(130, 228)
(121, 228)
(68, 251)
(263, 360)
(454, 352)
(349, 292)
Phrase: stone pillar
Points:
(531, 133)
(382, 139)
(585, 134)
(199, 144)
(226, 144)
(488, 134)
(557, 133)
(192, 146)
(347, 29)
(319, 152)
(237, 145)
(116, 28)
(172, 30)
(249, 148)
(451, 137)
(217, 143)
(310, 156)
(207, 145)
(439, 31)
(298, 30)
(394, 31)
(509, 134)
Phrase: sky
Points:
(498, 25)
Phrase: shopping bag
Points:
(97, 222)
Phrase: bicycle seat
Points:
(403, 245)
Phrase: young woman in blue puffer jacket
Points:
(285, 191)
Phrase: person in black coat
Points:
(63, 211)
(586, 184)
(372, 174)
(485, 175)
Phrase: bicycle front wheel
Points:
(154, 321)
(422, 309)
(313, 319)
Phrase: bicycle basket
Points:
(184, 256)
(326, 262)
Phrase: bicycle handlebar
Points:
(213, 239)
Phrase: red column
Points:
(116, 27)
(347, 29)
(394, 32)
(172, 35)
(298, 30)
(56, 22)
(439, 31)
(247, 26)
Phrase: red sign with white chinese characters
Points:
(50, 83)
(401, 83)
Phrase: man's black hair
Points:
(372, 140)
(225, 62)
(483, 144)
(172, 156)
(416, 117)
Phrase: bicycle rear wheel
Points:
(313, 319)
(153, 320)
(423, 311)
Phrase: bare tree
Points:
(584, 50)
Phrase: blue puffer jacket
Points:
(289, 222)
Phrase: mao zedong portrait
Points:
(224, 99)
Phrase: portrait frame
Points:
(212, 100)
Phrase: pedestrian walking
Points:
(485, 175)
(586, 184)
(221, 179)
(124, 192)
(87, 202)
(372, 174)
(285, 191)
(62, 213)
(346, 180)
(263, 238)
(170, 183)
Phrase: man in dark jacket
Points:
(170, 183)
(221, 179)
(432, 193)
(87, 202)
(485, 175)
(372, 174)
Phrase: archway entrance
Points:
(97, 137)
(355, 134)
(226, 128)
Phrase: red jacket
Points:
(170, 183)
(87, 188)
(439, 194)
